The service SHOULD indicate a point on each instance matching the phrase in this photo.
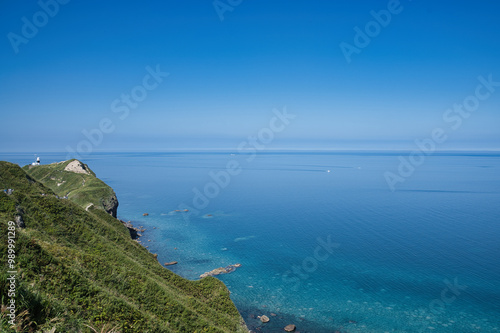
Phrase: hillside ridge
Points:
(74, 180)
(75, 268)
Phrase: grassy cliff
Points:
(76, 181)
(78, 268)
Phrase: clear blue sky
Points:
(225, 77)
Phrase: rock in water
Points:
(290, 328)
(264, 319)
(221, 270)
(171, 263)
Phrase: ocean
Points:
(323, 241)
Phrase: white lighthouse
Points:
(37, 161)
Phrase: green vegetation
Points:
(82, 188)
(79, 271)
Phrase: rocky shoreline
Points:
(255, 323)
(134, 232)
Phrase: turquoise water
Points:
(324, 250)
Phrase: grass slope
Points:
(78, 268)
(84, 189)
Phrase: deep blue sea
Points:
(323, 242)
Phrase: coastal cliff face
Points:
(76, 181)
(77, 267)
(110, 204)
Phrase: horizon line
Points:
(231, 150)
